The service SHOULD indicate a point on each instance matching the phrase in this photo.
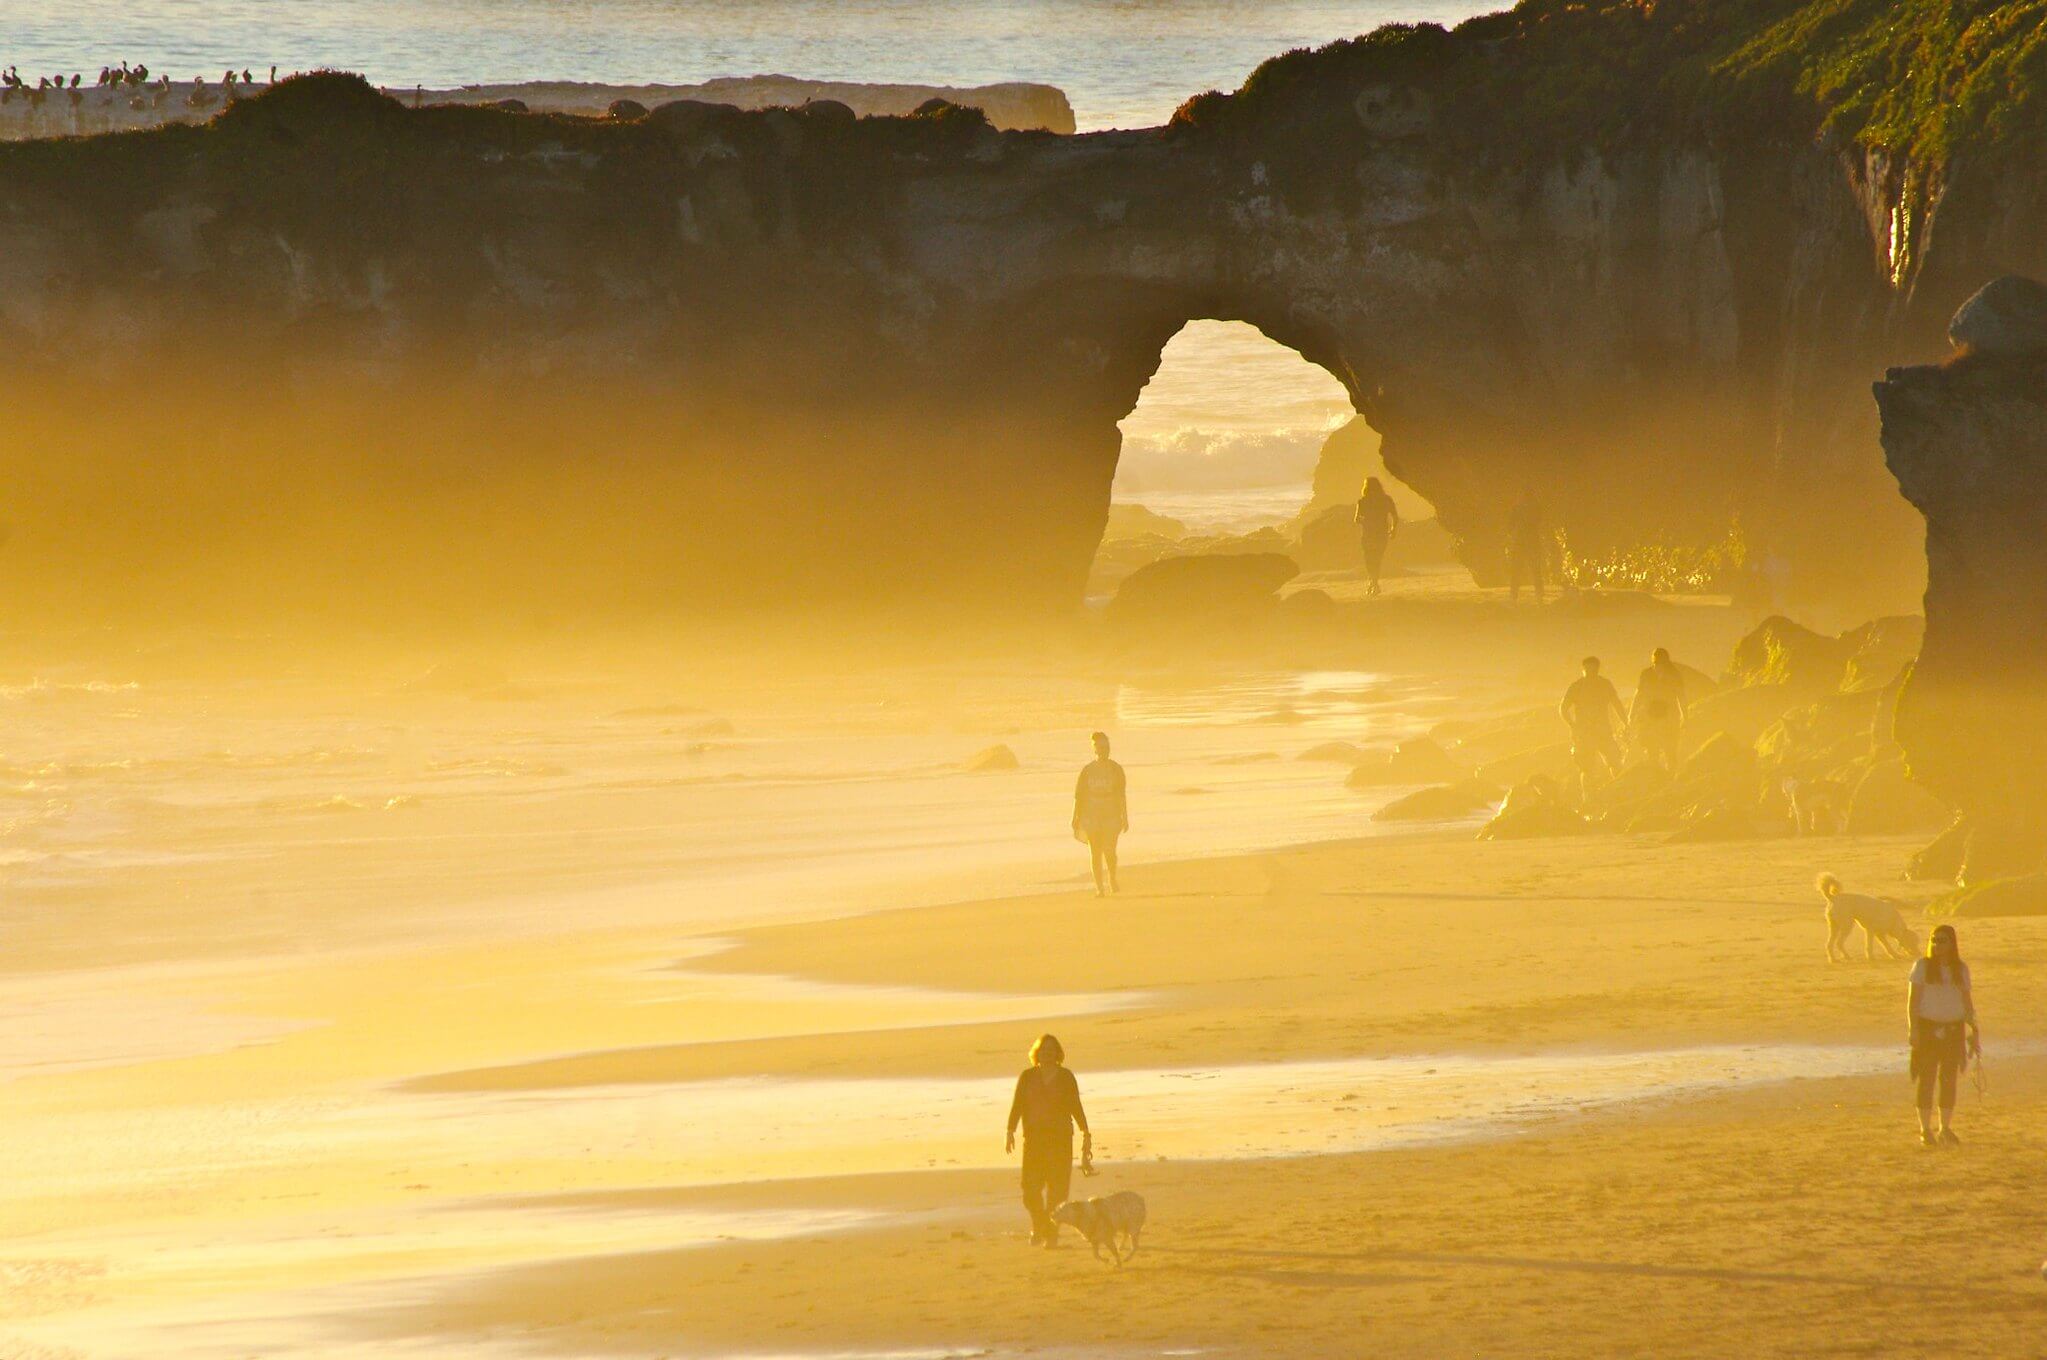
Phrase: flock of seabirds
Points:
(131, 82)
(1943, 1036)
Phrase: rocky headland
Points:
(1643, 259)
(89, 110)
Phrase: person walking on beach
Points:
(1101, 813)
(1378, 519)
(1047, 1105)
(1525, 547)
(1941, 1008)
(1589, 708)
(1657, 716)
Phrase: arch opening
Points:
(1238, 443)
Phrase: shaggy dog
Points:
(1102, 1221)
(1818, 806)
(1879, 917)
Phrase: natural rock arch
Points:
(327, 353)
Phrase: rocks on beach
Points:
(1179, 595)
(1795, 708)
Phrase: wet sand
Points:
(1787, 1214)
(511, 1051)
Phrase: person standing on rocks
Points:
(1657, 716)
(1047, 1106)
(1940, 1007)
(1590, 707)
(1378, 519)
(1101, 813)
(1526, 547)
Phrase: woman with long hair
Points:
(1377, 520)
(1941, 1007)
(1047, 1106)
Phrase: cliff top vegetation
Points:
(1930, 79)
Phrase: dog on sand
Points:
(1819, 807)
(1104, 1221)
(1881, 922)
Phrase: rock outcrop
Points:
(1014, 106)
(1197, 596)
(1967, 440)
(332, 353)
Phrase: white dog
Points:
(1881, 921)
(1103, 1221)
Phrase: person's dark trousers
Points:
(1047, 1176)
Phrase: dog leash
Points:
(1087, 1155)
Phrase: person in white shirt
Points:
(1101, 813)
(1942, 1011)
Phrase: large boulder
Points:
(1128, 520)
(1415, 761)
(830, 111)
(1330, 541)
(992, 759)
(1997, 847)
(1534, 809)
(1742, 713)
(2022, 896)
(1883, 649)
(1781, 652)
(1814, 737)
(1967, 441)
(2006, 316)
(1350, 453)
(1888, 803)
(1445, 802)
(1721, 757)
(1491, 738)
(1552, 761)
(1940, 860)
(1204, 593)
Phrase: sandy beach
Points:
(666, 1023)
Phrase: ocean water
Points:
(1123, 63)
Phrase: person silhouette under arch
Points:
(1378, 519)
(1527, 546)
(1101, 813)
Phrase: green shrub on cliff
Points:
(1929, 78)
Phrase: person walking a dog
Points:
(1047, 1106)
(1101, 813)
(1941, 1007)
